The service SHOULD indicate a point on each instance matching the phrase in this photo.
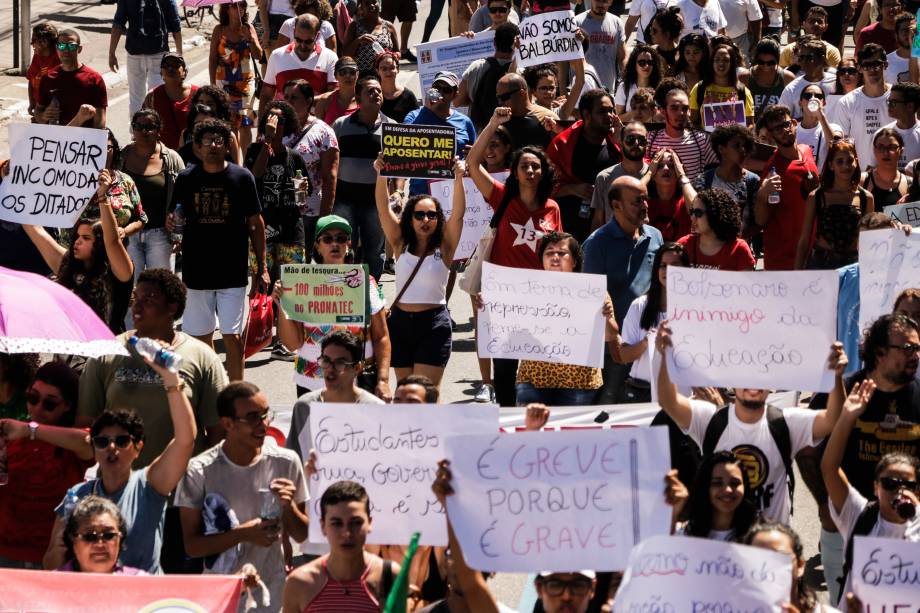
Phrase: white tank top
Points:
(430, 283)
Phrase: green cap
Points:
(330, 222)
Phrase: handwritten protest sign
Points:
(324, 293)
(417, 151)
(453, 55)
(885, 574)
(53, 173)
(889, 263)
(562, 501)
(682, 574)
(722, 114)
(759, 329)
(908, 213)
(548, 37)
(393, 451)
(478, 212)
(542, 316)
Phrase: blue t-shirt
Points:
(144, 510)
(848, 331)
(466, 134)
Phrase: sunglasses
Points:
(633, 140)
(68, 46)
(328, 239)
(122, 441)
(304, 41)
(94, 537)
(872, 65)
(891, 484)
(498, 9)
(644, 63)
(847, 72)
(811, 95)
(423, 215)
(698, 213)
(48, 404)
(254, 419)
(578, 587)
(506, 96)
(145, 127)
(808, 57)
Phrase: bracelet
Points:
(175, 388)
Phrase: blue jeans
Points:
(553, 396)
(151, 249)
(365, 228)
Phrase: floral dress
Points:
(234, 76)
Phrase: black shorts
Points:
(275, 21)
(403, 10)
(419, 338)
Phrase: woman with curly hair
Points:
(219, 103)
(715, 227)
(644, 68)
(832, 213)
(692, 59)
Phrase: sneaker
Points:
(282, 353)
(408, 56)
(484, 393)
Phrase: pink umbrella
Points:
(194, 4)
(38, 315)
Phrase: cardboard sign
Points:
(682, 574)
(889, 263)
(548, 37)
(452, 55)
(478, 212)
(884, 575)
(53, 173)
(417, 151)
(559, 501)
(717, 114)
(324, 293)
(764, 330)
(542, 316)
(393, 451)
(907, 213)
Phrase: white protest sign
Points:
(453, 54)
(548, 37)
(908, 213)
(886, 574)
(889, 263)
(561, 501)
(542, 316)
(681, 574)
(393, 451)
(53, 173)
(478, 212)
(762, 330)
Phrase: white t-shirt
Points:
(622, 97)
(846, 522)
(758, 451)
(911, 149)
(814, 138)
(792, 91)
(860, 117)
(706, 20)
(645, 10)
(738, 13)
(898, 70)
(726, 536)
(326, 30)
(318, 69)
(633, 333)
(281, 7)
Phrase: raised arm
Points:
(52, 252)
(578, 84)
(454, 226)
(120, 262)
(388, 219)
(482, 179)
(676, 405)
(836, 482)
(827, 418)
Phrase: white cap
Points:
(587, 573)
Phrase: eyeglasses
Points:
(556, 253)
(48, 404)
(254, 419)
(767, 63)
(547, 88)
(122, 441)
(94, 537)
(644, 63)
(893, 102)
(68, 46)
(872, 65)
(577, 587)
(810, 95)
(890, 149)
(213, 141)
(907, 348)
(347, 71)
(498, 9)
(808, 57)
(892, 484)
(328, 239)
(782, 127)
(423, 215)
(145, 127)
(698, 213)
(634, 140)
(338, 364)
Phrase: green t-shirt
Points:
(123, 382)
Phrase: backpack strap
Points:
(863, 526)
(386, 580)
(714, 430)
(779, 431)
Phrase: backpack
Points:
(484, 103)
(152, 24)
(779, 432)
(863, 526)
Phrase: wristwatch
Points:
(685, 180)
(33, 428)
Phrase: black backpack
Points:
(484, 103)
(779, 432)
(863, 526)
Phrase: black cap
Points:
(172, 56)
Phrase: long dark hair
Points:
(708, 73)
(838, 86)
(649, 317)
(501, 133)
(88, 280)
(407, 231)
(699, 504)
(804, 595)
(692, 40)
(544, 187)
(221, 107)
(631, 75)
(224, 12)
(827, 175)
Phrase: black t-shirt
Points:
(215, 241)
(397, 108)
(527, 130)
(588, 160)
(283, 221)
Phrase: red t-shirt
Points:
(670, 217)
(520, 230)
(781, 234)
(732, 256)
(81, 86)
(39, 67)
(878, 35)
(173, 114)
(40, 475)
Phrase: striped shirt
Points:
(692, 148)
(359, 146)
(353, 596)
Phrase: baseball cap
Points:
(330, 222)
(585, 573)
(172, 56)
(447, 77)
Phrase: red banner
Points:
(29, 591)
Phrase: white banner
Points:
(478, 212)
(53, 173)
(889, 263)
(561, 501)
(548, 37)
(765, 330)
(681, 574)
(885, 574)
(542, 316)
(452, 54)
(393, 451)
(908, 213)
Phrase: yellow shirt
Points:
(721, 93)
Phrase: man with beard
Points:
(764, 437)
(634, 144)
(691, 146)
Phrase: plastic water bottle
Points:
(56, 105)
(155, 353)
(179, 218)
(773, 198)
(300, 191)
(813, 105)
(4, 471)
